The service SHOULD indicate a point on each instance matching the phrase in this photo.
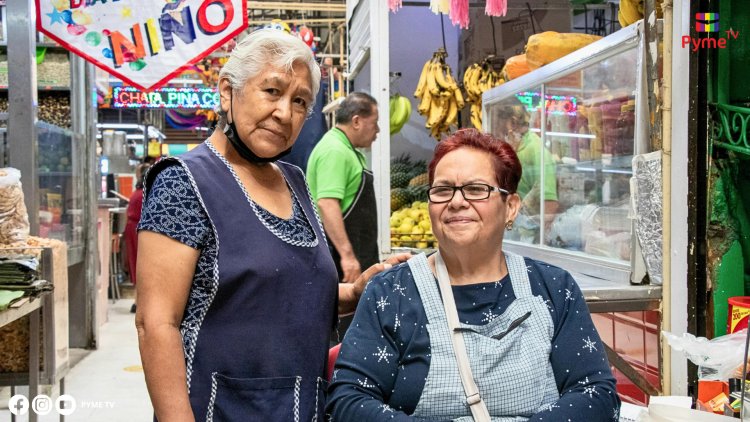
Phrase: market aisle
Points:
(107, 384)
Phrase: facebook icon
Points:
(18, 405)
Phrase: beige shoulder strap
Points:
(473, 399)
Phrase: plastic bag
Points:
(14, 219)
(717, 359)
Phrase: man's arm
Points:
(333, 221)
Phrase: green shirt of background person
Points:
(333, 171)
(514, 127)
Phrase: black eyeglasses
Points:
(471, 192)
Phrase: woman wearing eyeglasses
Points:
(473, 332)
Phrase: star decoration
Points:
(549, 407)
(386, 408)
(365, 383)
(590, 390)
(569, 295)
(589, 344)
(489, 316)
(55, 17)
(126, 12)
(382, 303)
(383, 354)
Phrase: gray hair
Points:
(261, 48)
(355, 104)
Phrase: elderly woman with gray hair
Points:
(237, 291)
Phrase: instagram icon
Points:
(41, 405)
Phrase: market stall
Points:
(595, 103)
(52, 143)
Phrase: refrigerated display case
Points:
(576, 148)
(577, 124)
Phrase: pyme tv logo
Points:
(706, 22)
(708, 35)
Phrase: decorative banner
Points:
(144, 43)
(129, 97)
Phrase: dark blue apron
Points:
(361, 225)
(261, 351)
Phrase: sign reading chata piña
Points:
(184, 98)
(144, 43)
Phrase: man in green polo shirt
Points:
(514, 128)
(343, 189)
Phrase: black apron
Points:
(361, 224)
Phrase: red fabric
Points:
(333, 354)
(131, 232)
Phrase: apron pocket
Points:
(254, 399)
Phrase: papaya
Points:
(545, 48)
(515, 66)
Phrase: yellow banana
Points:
(436, 112)
(432, 85)
(424, 106)
(440, 77)
(460, 103)
(449, 78)
(422, 80)
(451, 116)
(476, 115)
(474, 83)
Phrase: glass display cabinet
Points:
(576, 125)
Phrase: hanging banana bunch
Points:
(439, 96)
(400, 111)
(477, 79)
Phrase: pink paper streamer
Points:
(496, 8)
(460, 13)
(394, 5)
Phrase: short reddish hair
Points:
(504, 159)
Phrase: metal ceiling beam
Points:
(311, 7)
(253, 22)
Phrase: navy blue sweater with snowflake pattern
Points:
(365, 390)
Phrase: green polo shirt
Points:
(528, 155)
(334, 169)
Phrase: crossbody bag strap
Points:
(473, 398)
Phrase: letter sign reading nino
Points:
(144, 43)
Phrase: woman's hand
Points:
(361, 282)
(349, 293)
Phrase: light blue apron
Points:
(512, 370)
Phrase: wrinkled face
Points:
(366, 128)
(460, 223)
(271, 108)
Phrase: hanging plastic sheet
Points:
(646, 191)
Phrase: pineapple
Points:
(400, 198)
(422, 179)
(418, 193)
(399, 180)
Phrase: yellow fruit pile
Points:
(477, 79)
(411, 227)
(439, 95)
(545, 48)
